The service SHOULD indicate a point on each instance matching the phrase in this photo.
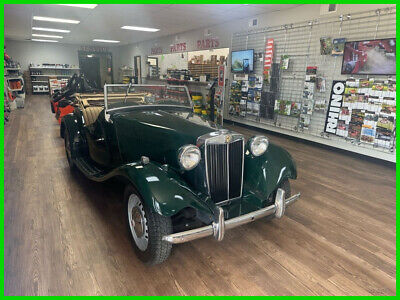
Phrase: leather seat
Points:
(91, 113)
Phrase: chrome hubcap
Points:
(138, 222)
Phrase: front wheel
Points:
(146, 229)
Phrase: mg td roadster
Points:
(185, 177)
(61, 102)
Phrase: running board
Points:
(89, 169)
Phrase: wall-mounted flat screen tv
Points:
(243, 61)
(371, 57)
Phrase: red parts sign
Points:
(179, 47)
(207, 44)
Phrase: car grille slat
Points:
(217, 170)
(224, 163)
(235, 169)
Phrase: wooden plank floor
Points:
(64, 235)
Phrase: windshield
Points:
(119, 96)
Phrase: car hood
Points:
(157, 134)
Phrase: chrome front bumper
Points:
(217, 229)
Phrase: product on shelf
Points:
(235, 98)
(285, 62)
(41, 74)
(307, 106)
(326, 45)
(13, 83)
(338, 46)
(366, 113)
(10, 64)
(197, 99)
(268, 55)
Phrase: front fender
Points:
(263, 174)
(162, 189)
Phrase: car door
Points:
(98, 142)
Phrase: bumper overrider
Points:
(217, 229)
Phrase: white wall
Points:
(224, 31)
(26, 52)
(172, 60)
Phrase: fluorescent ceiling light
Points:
(48, 36)
(138, 28)
(90, 6)
(105, 41)
(47, 41)
(50, 29)
(57, 20)
(89, 55)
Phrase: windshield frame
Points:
(106, 109)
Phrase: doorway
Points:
(153, 70)
(90, 67)
(97, 67)
(138, 69)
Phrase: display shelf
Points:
(12, 69)
(53, 68)
(16, 84)
(16, 90)
(183, 82)
(203, 69)
(348, 146)
(126, 69)
(40, 82)
(302, 43)
(51, 75)
(126, 74)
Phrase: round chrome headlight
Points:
(189, 157)
(258, 145)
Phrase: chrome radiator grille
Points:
(224, 166)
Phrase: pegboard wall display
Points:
(306, 59)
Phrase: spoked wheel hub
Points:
(138, 222)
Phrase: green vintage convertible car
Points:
(185, 177)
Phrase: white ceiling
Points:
(105, 21)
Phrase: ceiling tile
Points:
(105, 20)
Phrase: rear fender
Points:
(70, 123)
(162, 189)
(264, 174)
(65, 111)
